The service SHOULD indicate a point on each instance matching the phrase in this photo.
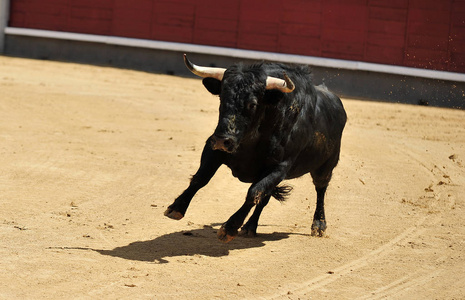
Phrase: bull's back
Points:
(330, 116)
(326, 124)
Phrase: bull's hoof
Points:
(248, 231)
(224, 236)
(318, 228)
(172, 214)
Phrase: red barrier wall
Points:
(415, 33)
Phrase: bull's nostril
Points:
(223, 144)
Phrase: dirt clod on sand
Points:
(91, 157)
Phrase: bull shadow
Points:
(188, 243)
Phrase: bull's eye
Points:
(251, 106)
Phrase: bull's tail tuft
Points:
(281, 192)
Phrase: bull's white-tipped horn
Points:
(204, 71)
(285, 86)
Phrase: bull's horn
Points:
(285, 86)
(204, 71)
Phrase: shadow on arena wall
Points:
(345, 83)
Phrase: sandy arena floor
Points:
(92, 156)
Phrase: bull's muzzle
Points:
(226, 144)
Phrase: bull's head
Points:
(241, 95)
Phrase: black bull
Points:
(274, 124)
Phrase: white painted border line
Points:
(239, 53)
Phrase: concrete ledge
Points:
(4, 16)
(239, 53)
(347, 78)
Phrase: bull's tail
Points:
(281, 192)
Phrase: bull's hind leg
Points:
(321, 180)
(257, 193)
(250, 228)
(319, 219)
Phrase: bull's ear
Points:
(273, 96)
(213, 85)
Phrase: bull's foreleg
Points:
(209, 164)
(258, 192)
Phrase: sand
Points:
(92, 156)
